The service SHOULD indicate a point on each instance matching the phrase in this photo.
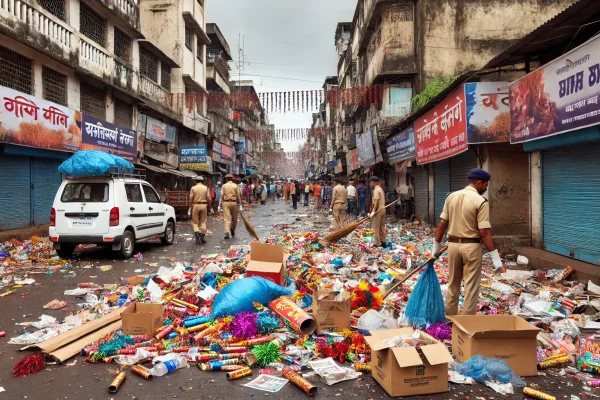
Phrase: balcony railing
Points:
(127, 10)
(94, 58)
(156, 94)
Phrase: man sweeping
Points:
(466, 217)
(230, 198)
(338, 205)
(378, 218)
(200, 203)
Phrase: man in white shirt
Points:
(351, 192)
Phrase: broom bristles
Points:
(345, 231)
(249, 227)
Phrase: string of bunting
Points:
(282, 135)
(284, 163)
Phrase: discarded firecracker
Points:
(162, 334)
(358, 367)
(240, 373)
(117, 382)
(536, 394)
(142, 371)
(299, 381)
(553, 362)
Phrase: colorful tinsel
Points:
(244, 325)
(366, 295)
(266, 353)
(30, 364)
(440, 331)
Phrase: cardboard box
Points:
(142, 319)
(406, 371)
(331, 313)
(267, 261)
(503, 337)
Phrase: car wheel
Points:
(66, 251)
(127, 245)
(169, 235)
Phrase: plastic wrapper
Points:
(93, 163)
(374, 320)
(331, 373)
(483, 369)
(241, 295)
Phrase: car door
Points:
(156, 211)
(137, 209)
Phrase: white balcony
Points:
(154, 93)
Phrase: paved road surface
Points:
(90, 381)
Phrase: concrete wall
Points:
(458, 35)
(162, 24)
(508, 192)
(535, 165)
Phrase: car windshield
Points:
(85, 192)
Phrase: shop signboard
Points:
(559, 97)
(488, 112)
(366, 153)
(226, 152)
(217, 147)
(28, 121)
(401, 146)
(442, 131)
(355, 164)
(104, 136)
(159, 131)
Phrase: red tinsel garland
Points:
(30, 364)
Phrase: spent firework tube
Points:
(206, 332)
(231, 349)
(142, 371)
(196, 321)
(117, 382)
(253, 342)
(127, 351)
(198, 328)
(358, 367)
(553, 362)
(299, 381)
(240, 373)
(185, 304)
(299, 320)
(183, 349)
(231, 361)
(230, 356)
(160, 335)
(206, 357)
(536, 394)
(280, 343)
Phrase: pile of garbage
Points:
(221, 315)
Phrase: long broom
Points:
(249, 226)
(348, 229)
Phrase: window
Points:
(54, 85)
(55, 7)
(15, 71)
(165, 76)
(134, 193)
(122, 45)
(188, 37)
(148, 65)
(85, 192)
(92, 101)
(123, 114)
(92, 24)
(151, 196)
(199, 50)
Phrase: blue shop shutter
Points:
(15, 203)
(460, 165)
(421, 191)
(571, 201)
(46, 180)
(441, 186)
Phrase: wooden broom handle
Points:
(414, 271)
(365, 219)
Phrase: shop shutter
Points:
(45, 182)
(421, 192)
(15, 184)
(460, 166)
(441, 186)
(570, 201)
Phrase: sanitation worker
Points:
(230, 198)
(338, 205)
(200, 204)
(378, 218)
(466, 216)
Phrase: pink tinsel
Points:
(244, 325)
(440, 331)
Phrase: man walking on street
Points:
(362, 199)
(317, 195)
(378, 218)
(338, 205)
(351, 191)
(200, 204)
(466, 216)
(294, 193)
(230, 198)
(306, 193)
(327, 193)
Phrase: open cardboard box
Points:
(267, 261)
(331, 313)
(503, 337)
(406, 371)
(142, 319)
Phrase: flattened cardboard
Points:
(402, 371)
(266, 261)
(329, 313)
(74, 348)
(142, 319)
(502, 337)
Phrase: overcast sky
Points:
(283, 38)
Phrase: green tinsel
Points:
(266, 353)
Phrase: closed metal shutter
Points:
(441, 186)
(460, 166)
(45, 182)
(571, 201)
(15, 204)
(421, 192)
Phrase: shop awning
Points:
(159, 170)
(187, 173)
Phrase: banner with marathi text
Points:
(194, 158)
(28, 121)
(488, 112)
(104, 136)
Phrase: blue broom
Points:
(426, 303)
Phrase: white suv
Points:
(113, 211)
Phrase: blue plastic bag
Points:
(483, 369)
(426, 303)
(241, 295)
(93, 163)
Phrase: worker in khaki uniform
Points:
(230, 197)
(378, 203)
(200, 204)
(466, 216)
(338, 205)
